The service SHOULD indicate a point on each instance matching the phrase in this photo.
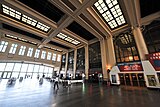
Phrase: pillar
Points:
(75, 63)
(142, 48)
(103, 58)
(66, 65)
(86, 61)
(111, 60)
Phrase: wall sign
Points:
(135, 66)
(155, 60)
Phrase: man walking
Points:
(56, 83)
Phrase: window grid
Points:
(111, 12)
(125, 48)
(24, 18)
(43, 56)
(49, 56)
(22, 50)
(68, 39)
(30, 51)
(3, 46)
(37, 53)
(59, 58)
(29, 69)
(54, 57)
(13, 49)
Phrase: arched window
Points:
(125, 48)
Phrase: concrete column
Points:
(66, 65)
(142, 48)
(75, 63)
(104, 58)
(59, 68)
(111, 60)
(86, 61)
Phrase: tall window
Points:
(43, 56)
(59, 58)
(54, 57)
(3, 46)
(49, 56)
(36, 55)
(63, 61)
(95, 56)
(151, 34)
(30, 51)
(125, 48)
(13, 49)
(80, 59)
(70, 60)
(22, 50)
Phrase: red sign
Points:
(155, 60)
(131, 67)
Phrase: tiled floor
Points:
(29, 93)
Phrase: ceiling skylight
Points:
(20, 39)
(24, 18)
(68, 39)
(11, 12)
(28, 20)
(53, 48)
(111, 12)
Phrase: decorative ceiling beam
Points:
(148, 19)
(133, 11)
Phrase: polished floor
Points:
(29, 93)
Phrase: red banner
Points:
(130, 67)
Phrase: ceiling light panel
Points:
(11, 12)
(111, 12)
(68, 39)
(24, 18)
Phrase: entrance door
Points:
(127, 78)
(6, 75)
(122, 81)
(134, 79)
(141, 80)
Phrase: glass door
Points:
(121, 77)
(127, 78)
(134, 79)
(141, 80)
(6, 75)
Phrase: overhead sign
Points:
(135, 66)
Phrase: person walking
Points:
(56, 83)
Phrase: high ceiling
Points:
(68, 24)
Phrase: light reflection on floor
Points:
(29, 93)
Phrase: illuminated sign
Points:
(155, 60)
(136, 66)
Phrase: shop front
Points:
(128, 74)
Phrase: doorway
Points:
(132, 79)
(6, 75)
